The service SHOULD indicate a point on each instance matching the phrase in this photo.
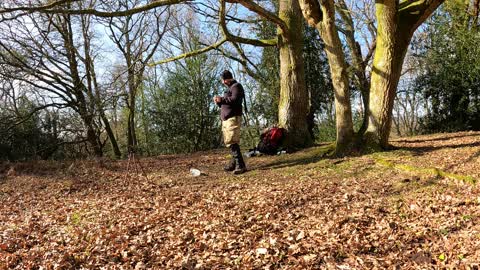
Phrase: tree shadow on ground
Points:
(443, 137)
(306, 156)
(319, 152)
(134, 164)
(468, 160)
(420, 150)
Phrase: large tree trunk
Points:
(396, 23)
(92, 136)
(293, 104)
(392, 43)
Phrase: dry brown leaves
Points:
(288, 212)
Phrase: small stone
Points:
(140, 266)
(300, 236)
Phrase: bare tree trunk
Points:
(358, 63)
(396, 22)
(111, 135)
(145, 123)
(83, 108)
(132, 93)
(137, 37)
(93, 84)
(338, 69)
(293, 104)
(131, 134)
(323, 18)
(397, 122)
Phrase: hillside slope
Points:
(412, 208)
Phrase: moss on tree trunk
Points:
(396, 24)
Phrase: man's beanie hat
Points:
(225, 75)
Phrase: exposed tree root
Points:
(425, 171)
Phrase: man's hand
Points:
(217, 99)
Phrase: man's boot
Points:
(240, 164)
(232, 164)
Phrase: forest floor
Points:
(411, 208)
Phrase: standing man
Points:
(231, 115)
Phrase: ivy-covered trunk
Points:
(294, 103)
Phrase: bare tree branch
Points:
(54, 9)
(190, 54)
(30, 114)
(215, 11)
(43, 7)
(417, 11)
(233, 38)
(252, 6)
(227, 36)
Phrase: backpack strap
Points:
(245, 111)
(244, 99)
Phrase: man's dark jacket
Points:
(231, 104)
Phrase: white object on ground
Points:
(195, 172)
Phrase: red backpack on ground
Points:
(271, 140)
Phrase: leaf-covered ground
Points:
(412, 208)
